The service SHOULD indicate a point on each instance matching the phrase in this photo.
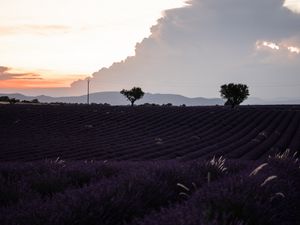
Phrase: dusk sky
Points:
(164, 46)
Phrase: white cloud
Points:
(263, 44)
(293, 5)
(294, 49)
(193, 50)
(283, 47)
(271, 45)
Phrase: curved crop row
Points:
(31, 132)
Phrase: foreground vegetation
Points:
(215, 192)
(185, 185)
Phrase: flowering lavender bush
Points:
(265, 195)
(213, 192)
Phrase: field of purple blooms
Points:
(100, 165)
(198, 192)
(80, 132)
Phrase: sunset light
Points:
(52, 47)
(294, 50)
(271, 45)
(64, 40)
(149, 112)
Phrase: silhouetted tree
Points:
(132, 95)
(10, 100)
(4, 99)
(35, 101)
(234, 93)
(13, 100)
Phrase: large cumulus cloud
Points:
(195, 49)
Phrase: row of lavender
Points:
(141, 133)
(148, 193)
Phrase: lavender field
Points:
(78, 132)
(149, 165)
(153, 192)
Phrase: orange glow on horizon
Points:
(24, 84)
(26, 79)
(41, 35)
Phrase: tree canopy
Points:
(10, 100)
(234, 93)
(132, 95)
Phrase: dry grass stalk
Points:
(270, 178)
(256, 170)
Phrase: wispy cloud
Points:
(294, 49)
(271, 45)
(37, 29)
(5, 74)
(263, 45)
(11, 78)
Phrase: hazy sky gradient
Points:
(191, 51)
(64, 40)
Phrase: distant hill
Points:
(278, 101)
(115, 98)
